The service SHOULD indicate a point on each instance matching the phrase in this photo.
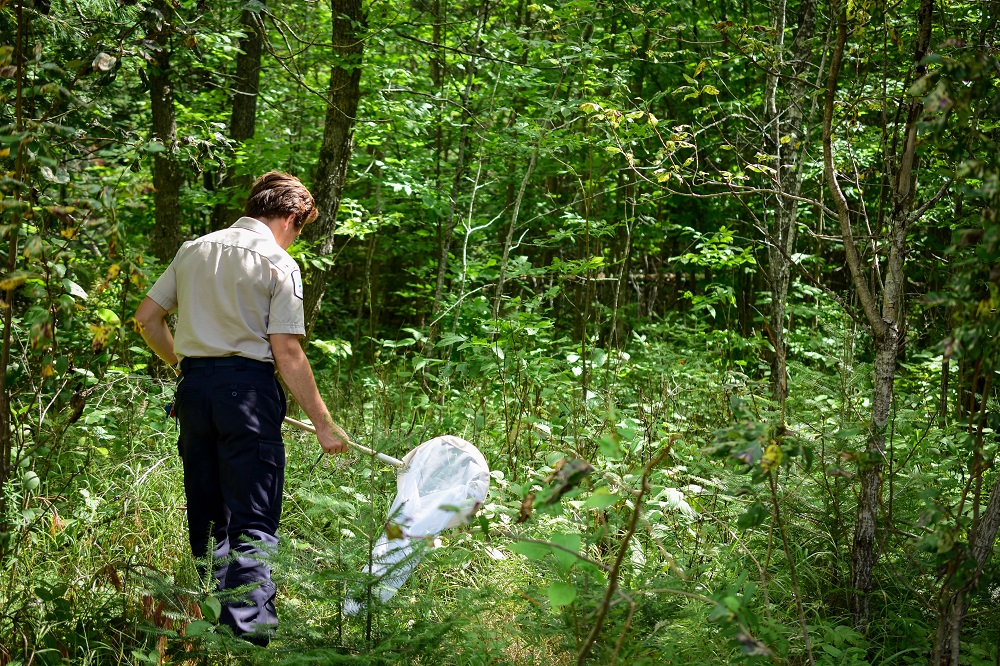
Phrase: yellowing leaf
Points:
(13, 280)
(393, 531)
(785, 139)
(700, 68)
(772, 457)
(710, 90)
(101, 335)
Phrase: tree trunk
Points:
(7, 296)
(447, 231)
(789, 139)
(887, 320)
(166, 236)
(243, 120)
(335, 153)
(508, 239)
(959, 585)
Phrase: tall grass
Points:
(101, 571)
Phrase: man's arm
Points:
(295, 370)
(153, 328)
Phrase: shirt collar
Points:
(253, 224)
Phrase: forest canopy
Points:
(712, 285)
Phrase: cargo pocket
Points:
(268, 478)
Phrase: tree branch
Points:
(843, 214)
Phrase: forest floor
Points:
(102, 572)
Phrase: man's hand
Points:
(332, 438)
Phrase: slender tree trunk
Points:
(166, 236)
(335, 153)
(243, 120)
(959, 584)
(789, 138)
(508, 239)
(7, 296)
(365, 296)
(447, 231)
(887, 320)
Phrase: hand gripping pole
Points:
(395, 462)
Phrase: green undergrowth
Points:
(735, 545)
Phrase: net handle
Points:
(395, 462)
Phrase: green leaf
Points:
(197, 628)
(109, 317)
(30, 480)
(571, 542)
(601, 499)
(561, 593)
(211, 608)
(720, 612)
(609, 447)
(74, 289)
(754, 516)
(447, 340)
(533, 551)
(335, 348)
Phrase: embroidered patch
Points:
(297, 284)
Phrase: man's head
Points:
(277, 195)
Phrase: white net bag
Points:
(444, 484)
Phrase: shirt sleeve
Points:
(287, 314)
(164, 292)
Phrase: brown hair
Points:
(277, 194)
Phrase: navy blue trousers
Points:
(230, 412)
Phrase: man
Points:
(238, 296)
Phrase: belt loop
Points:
(241, 363)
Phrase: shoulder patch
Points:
(297, 283)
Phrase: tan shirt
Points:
(232, 289)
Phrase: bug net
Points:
(444, 483)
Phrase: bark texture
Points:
(335, 153)
(166, 236)
(788, 135)
(243, 120)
